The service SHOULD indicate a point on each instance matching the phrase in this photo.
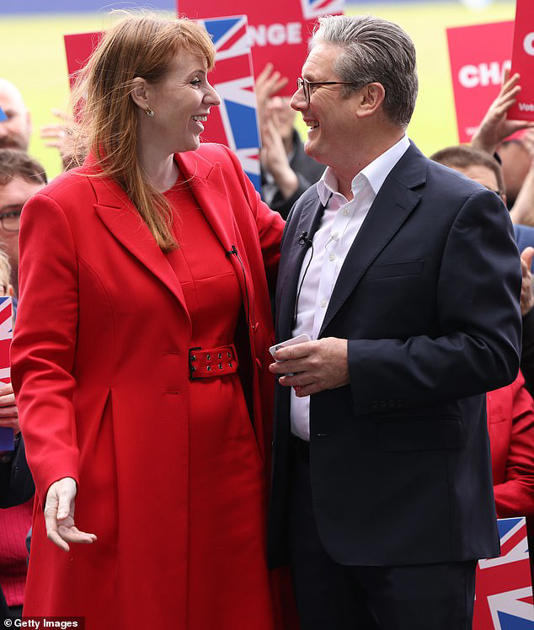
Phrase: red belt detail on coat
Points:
(212, 362)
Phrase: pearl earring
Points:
(149, 112)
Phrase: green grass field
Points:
(32, 56)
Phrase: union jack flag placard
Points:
(503, 585)
(312, 9)
(234, 123)
(278, 32)
(6, 334)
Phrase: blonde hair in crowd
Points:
(140, 45)
(5, 271)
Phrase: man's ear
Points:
(371, 98)
(139, 93)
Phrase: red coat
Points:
(100, 366)
(511, 431)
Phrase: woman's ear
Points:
(139, 93)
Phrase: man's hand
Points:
(495, 127)
(59, 515)
(315, 365)
(522, 211)
(274, 159)
(527, 295)
(9, 414)
(268, 83)
(61, 137)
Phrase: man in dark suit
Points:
(406, 277)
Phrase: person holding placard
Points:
(139, 357)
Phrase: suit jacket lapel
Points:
(394, 203)
(308, 222)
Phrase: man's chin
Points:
(311, 149)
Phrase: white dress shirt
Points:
(339, 226)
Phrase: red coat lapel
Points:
(213, 195)
(209, 189)
(121, 218)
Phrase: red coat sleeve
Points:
(270, 223)
(42, 353)
(515, 496)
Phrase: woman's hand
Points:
(9, 415)
(59, 515)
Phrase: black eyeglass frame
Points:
(306, 86)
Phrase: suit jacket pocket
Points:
(421, 434)
(395, 270)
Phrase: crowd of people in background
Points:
(498, 163)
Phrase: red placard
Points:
(279, 33)
(523, 60)
(478, 55)
(79, 48)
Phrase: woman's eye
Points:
(196, 82)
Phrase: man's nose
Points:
(298, 101)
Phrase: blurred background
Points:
(33, 55)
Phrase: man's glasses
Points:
(10, 218)
(307, 86)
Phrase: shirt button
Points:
(334, 236)
(324, 303)
(332, 257)
(345, 212)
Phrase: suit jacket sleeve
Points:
(16, 483)
(43, 347)
(476, 343)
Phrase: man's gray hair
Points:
(375, 50)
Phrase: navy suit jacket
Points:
(428, 298)
(16, 483)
